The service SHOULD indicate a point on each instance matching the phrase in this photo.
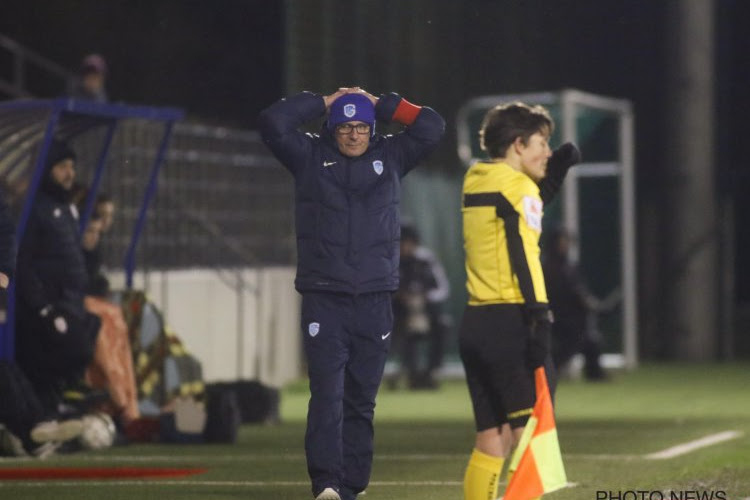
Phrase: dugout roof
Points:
(27, 128)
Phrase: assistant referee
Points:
(505, 329)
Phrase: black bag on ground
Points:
(258, 403)
(223, 417)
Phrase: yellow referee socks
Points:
(482, 475)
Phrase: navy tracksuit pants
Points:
(346, 339)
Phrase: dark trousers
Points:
(21, 409)
(569, 337)
(346, 341)
(51, 359)
(416, 373)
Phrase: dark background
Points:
(225, 60)
(220, 60)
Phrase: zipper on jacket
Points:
(350, 236)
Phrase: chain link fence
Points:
(223, 201)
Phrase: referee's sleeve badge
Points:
(532, 211)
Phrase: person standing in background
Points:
(574, 306)
(418, 310)
(91, 83)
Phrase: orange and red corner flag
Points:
(540, 468)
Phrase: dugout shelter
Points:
(27, 128)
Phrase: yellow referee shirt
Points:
(502, 223)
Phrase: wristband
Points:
(406, 112)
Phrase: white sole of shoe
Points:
(46, 450)
(328, 494)
(56, 431)
(10, 444)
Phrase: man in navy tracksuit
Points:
(347, 193)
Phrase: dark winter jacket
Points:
(347, 209)
(51, 267)
(55, 335)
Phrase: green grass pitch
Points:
(423, 440)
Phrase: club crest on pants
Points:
(313, 329)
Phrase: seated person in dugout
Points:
(112, 367)
(99, 224)
(25, 427)
(58, 339)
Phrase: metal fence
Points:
(25, 73)
(223, 200)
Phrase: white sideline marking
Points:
(291, 457)
(413, 457)
(682, 449)
(242, 484)
(602, 456)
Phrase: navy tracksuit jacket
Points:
(348, 230)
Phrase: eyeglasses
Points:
(346, 128)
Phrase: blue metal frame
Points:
(94, 188)
(148, 196)
(101, 115)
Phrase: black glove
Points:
(54, 320)
(563, 158)
(539, 321)
(558, 164)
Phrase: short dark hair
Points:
(504, 123)
(102, 198)
(409, 232)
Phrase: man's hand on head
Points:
(359, 90)
(328, 99)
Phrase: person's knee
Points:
(496, 441)
(78, 348)
(359, 407)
